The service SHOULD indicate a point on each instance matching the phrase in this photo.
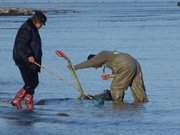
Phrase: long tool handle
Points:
(72, 72)
(78, 84)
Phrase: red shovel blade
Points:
(60, 53)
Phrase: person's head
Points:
(90, 56)
(39, 19)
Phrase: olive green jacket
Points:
(114, 60)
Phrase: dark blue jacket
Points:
(27, 43)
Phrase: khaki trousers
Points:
(129, 76)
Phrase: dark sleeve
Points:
(23, 39)
(95, 61)
(36, 47)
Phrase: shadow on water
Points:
(25, 118)
(52, 101)
(51, 110)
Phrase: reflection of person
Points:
(126, 71)
(27, 50)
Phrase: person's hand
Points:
(105, 76)
(31, 59)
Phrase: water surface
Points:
(148, 30)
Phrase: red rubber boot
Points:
(29, 102)
(18, 98)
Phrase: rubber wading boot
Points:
(29, 102)
(18, 98)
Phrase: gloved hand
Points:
(106, 76)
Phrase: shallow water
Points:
(148, 30)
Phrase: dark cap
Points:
(40, 16)
(91, 56)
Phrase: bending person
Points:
(126, 72)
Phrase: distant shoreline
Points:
(15, 11)
(12, 11)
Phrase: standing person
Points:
(126, 71)
(27, 50)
